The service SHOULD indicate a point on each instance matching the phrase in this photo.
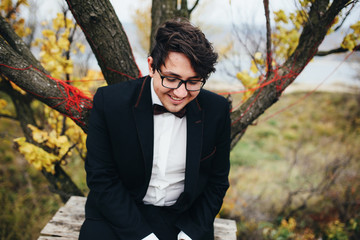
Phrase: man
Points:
(159, 176)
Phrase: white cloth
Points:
(181, 236)
(169, 158)
(150, 237)
(169, 161)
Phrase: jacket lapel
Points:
(145, 126)
(145, 129)
(194, 116)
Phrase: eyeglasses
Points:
(174, 83)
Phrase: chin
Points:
(174, 108)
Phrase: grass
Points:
(308, 152)
(27, 204)
(296, 150)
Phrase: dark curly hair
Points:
(179, 35)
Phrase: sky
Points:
(321, 70)
(225, 13)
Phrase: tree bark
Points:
(107, 39)
(17, 44)
(161, 11)
(336, 50)
(41, 86)
(100, 15)
(62, 184)
(16, 50)
(320, 20)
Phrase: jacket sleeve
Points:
(199, 219)
(109, 195)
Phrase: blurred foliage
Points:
(9, 10)
(285, 39)
(26, 202)
(142, 19)
(298, 170)
(295, 175)
(56, 137)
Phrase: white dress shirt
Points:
(169, 161)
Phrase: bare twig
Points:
(195, 5)
(345, 18)
(8, 117)
(336, 50)
(268, 37)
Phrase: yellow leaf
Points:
(37, 134)
(81, 47)
(48, 33)
(24, 2)
(349, 42)
(58, 22)
(69, 69)
(37, 156)
(52, 39)
(6, 5)
(17, 88)
(246, 79)
(356, 27)
(253, 67)
(280, 16)
(3, 103)
(258, 58)
(69, 23)
(64, 43)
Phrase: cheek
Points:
(160, 90)
(193, 95)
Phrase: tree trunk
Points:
(99, 22)
(62, 184)
(161, 11)
(320, 20)
(107, 39)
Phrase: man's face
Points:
(179, 66)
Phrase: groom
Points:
(158, 147)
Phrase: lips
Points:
(176, 100)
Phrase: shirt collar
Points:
(154, 97)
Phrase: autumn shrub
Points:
(302, 164)
(25, 200)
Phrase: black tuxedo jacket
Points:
(120, 157)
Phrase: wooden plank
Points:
(66, 223)
(224, 229)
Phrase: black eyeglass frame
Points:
(181, 82)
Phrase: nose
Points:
(181, 91)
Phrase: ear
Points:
(151, 70)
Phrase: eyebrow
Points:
(177, 75)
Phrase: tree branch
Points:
(62, 184)
(268, 37)
(107, 39)
(17, 44)
(161, 11)
(22, 103)
(314, 31)
(42, 87)
(336, 50)
(195, 5)
(8, 117)
(344, 18)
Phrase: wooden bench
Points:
(66, 223)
